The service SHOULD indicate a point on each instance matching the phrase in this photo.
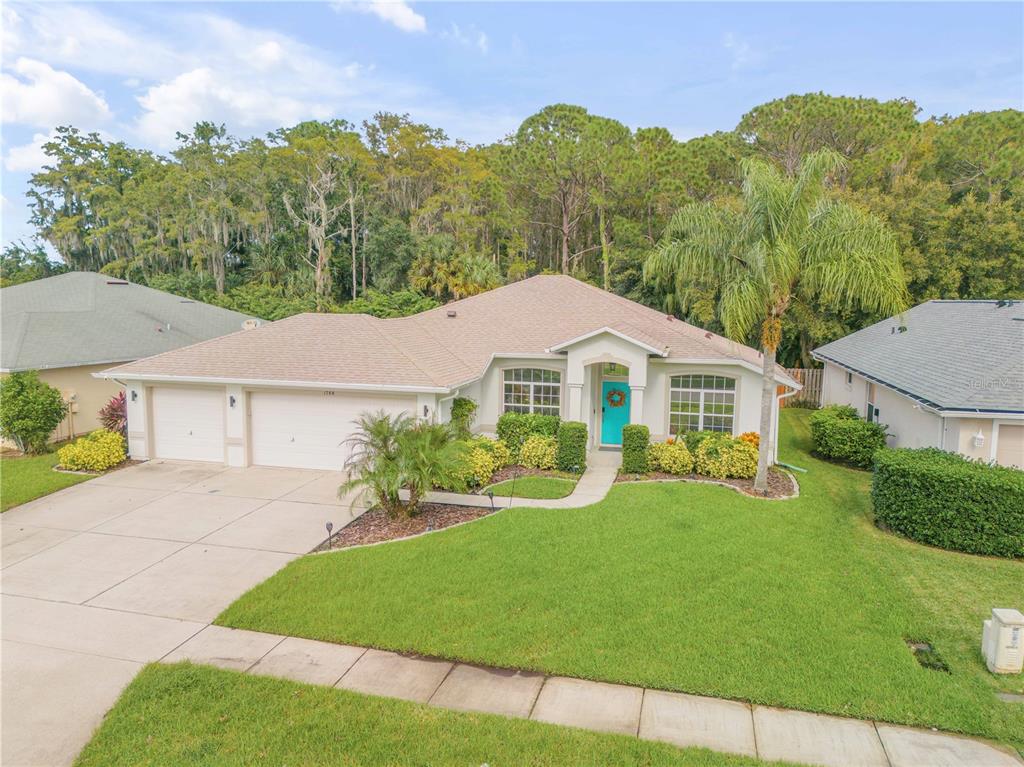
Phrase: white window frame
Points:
(734, 391)
(511, 407)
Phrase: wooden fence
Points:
(811, 393)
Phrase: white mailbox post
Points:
(1002, 641)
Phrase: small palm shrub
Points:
(30, 410)
(514, 429)
(394, 453)
(636, 438)
(840, 434)
(98, 451)
(538, 452)
(114, 415)
(726, 458)
(671, 457)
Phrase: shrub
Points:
(726, 458)
(463, 412)
(514, 428)
(538, 452)
(837, 432)
(498, 449)
(97, 451)
(636, 438)
(752, 437)
(390, 453)
(694, 438)
(30, 410)
(572, 446)
(945, 500)
(670, 457)
(483, 457)
(114, 415)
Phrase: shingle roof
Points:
(953, 355)
(432, 349)
(83, 318)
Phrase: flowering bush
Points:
(670, 457)
(538, 452)
(752, 437)
(726, 458)
(97, 451)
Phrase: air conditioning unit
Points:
(1002, 641)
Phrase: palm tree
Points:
(786, 241)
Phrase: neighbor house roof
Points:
(440, 348)
(83, 318)
(949, 355)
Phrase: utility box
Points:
(1002, 641)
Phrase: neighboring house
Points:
(286, 394)
(78, 323)
(947, 374)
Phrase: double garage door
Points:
(305, 430)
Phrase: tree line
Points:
(393, 216)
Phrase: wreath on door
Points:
(616, 398)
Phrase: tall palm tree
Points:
(786, 241)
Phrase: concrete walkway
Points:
(682, 720)
(593, 486)
(105, 576)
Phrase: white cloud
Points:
(39, 95)
(395, 12)
(28, 158)
(471, 38)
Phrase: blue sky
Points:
(140, 72)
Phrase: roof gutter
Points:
(272, 383)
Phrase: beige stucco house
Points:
(946, 374)
(287, 393)
(74, 325)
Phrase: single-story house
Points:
(286, 394)
(946, 374)
(75, 324)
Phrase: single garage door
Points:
(307, 430)
(188, 423)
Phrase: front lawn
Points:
(534, 487)
(25, 478)
(195, 715)
(800, 603)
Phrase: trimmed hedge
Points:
(538, 452)
(671, 457)
(945, 500)
(840, 434)
(97, 451)
(514, 428)
(726, 458)
(636, 438)
(572, 446)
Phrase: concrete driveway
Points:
(105, 576)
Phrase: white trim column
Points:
(636, 404)
(137, 413)
(236, 425)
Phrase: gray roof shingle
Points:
(952, 355)
(84, 318)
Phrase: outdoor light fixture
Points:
(231, 400)
(135, 395)
(979, 439)
(490, 494)
(426, 411)
(330, 527)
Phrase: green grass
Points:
(534, 487)
(25, 478)
(800, 603)
(195, 716)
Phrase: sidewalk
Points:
(682, 720)
(593, 486)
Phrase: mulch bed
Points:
(780, 484)
(510, 472)
(376, 526)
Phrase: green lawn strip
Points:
(25, 478)
(800, 603)
(196, 715)
(533, 487)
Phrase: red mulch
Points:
(780, 484)
(375, 525)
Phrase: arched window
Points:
(701, 403)
(532, 390)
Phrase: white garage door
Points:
(307, 430)
(188, 424)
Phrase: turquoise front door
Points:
(614, 411)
